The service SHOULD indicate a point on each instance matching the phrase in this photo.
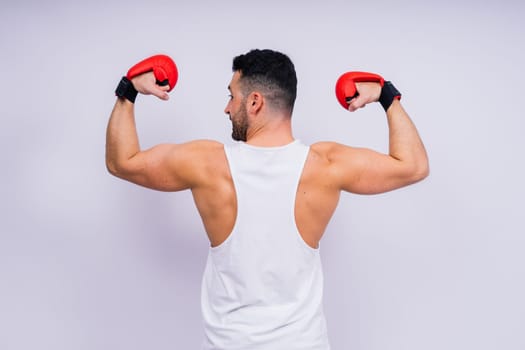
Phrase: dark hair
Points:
(270, 72)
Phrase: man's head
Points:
(271, 73)
(260, 75)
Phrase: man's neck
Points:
(277, 133)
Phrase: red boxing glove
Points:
(345, 89)
(162, 66)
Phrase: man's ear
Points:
(254, 102)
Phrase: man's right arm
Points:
(365, 171)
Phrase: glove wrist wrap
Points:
(388, 94)
(125, 89)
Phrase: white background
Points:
(88, 261)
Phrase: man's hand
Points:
(368, 93)
(146, 84)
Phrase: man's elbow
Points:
(124, 170)
(421, 171)
(113, 168)
(415, 171)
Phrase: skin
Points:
(202, 167)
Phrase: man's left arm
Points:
(165, 167)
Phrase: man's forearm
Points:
(121, 137)
(405, 144)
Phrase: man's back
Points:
(316, 199)
(262, 287)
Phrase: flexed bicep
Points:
(170, 167)
(365, 171)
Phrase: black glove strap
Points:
(388, 94)
(125, 89)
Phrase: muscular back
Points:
(316, 198)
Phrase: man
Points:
(265, 202)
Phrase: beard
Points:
(240, 124)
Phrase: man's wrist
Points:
(388, 94)
(126, 90)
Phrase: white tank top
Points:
(263, 286)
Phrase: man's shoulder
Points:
(322, 146)
(327, 149)
(205, 143)
(203, 160)
(197, 153)
(335, 153)
(204, 147)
